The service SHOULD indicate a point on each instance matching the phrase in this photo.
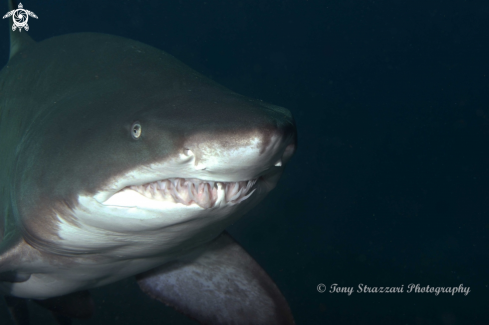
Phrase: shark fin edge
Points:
(222, 285)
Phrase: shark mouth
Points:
(203, 193)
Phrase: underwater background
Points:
(389, 185)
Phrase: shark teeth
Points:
(203, 193)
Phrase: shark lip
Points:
(187, 191)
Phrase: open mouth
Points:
(203, 193)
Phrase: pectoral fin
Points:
(222, 285)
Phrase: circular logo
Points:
(321, 288)
(20, 17)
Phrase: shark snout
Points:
(245, 152)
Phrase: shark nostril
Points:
(187, 152)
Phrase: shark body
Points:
(118, 160)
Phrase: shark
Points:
(117, 161)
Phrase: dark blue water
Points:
(390, 182)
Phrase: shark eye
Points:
(136, 130)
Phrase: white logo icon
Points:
(20, 17)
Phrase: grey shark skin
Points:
(118, 160)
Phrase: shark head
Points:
(135, 153)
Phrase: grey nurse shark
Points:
(118, 160)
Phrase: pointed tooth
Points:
(201, 188)
(214, 194)
(176, 196)
(205, 202)
(231, 190)
(206, 193)
(183, 191)
(191, 189)
(212, 197)
(251, 184)
(248, 186)
(147, 191)
(237, 195)
(220, 194)
(245, 197)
